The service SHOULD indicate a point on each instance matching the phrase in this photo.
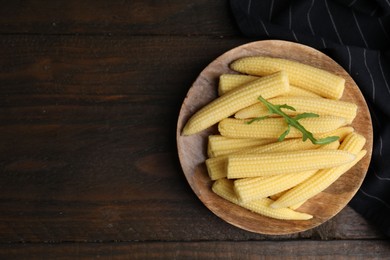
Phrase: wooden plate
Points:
(193, 153)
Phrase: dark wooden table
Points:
(90, 94)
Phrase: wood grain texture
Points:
(146, 17)
(192, 149)
(103, 65)
(308, 249)
(68, 143)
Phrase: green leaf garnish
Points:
(287, 107)
(285, 133)
(293, 121)
(305, 115)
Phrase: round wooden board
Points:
(192, 149)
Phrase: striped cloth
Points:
(356, 34)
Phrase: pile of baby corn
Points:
(247, 163)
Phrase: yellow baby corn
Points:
(315, 184)
(216, 167)
(297, 143)
(320, 106)
(276, 196)
(274, 185)
(286, 145)
(217, 153)
(341, 132)
(294, 207)
(353, 143)
(249, 189)
(308, 77)
(235, 100)
(252, 165)
(224, 188)
(300, 92)
(274, 127)
(331, 146)
(221, 145)
(228, 82)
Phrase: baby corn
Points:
(308, 77)
(315, 184)
(221, 145)
(283, 146)
(216, 167)
(341, 132)
(235, 100)
(252, 165)
(224, 188)
(320, 106)
(274, 127)
(300, 92)
(228, 82)
(353, 144)
(297, 144)
(248, 189)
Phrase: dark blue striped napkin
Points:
(356, 34)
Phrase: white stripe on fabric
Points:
(290, 22)
(369, 73)
(358, 26)
(265, 28)
(248, 10)
(349, 59)
(271, 10)
(383, 29)
(333, 23)
(352, 3)
(383, 74)
(381, 178)
(323, 42)
(374, 197)
(295, 36)
(308, 17)
(374, 11)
